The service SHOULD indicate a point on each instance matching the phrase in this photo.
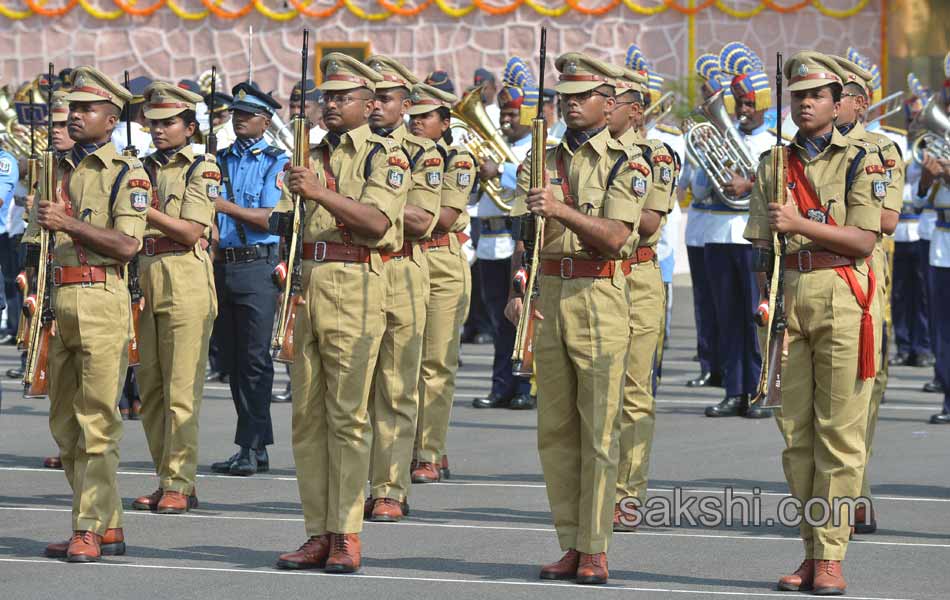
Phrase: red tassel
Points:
(866, 367)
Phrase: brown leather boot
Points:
(618, 524)
(592, 569)
(312, 555)
(829, 581)
(149, 502)
(801, 579)
(53, 462)
(426, 472)
(345, 553)
(386, 510)
(176, 503)
(566, 568)
(864, 520)
(113, 544)
(84, 546)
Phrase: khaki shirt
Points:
(426, 165)
(664, 168)
(192, 200)
(893, 163)
(89, 189)
(384, 187)
(587, 172)
(826, 171)
(457, 182)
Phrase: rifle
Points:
(532, 234)
(135, 289)
(36, 373)
(283, 343)
(23, 280)
(769, 390)
(211, 144)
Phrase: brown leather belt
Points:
(336, 252)
(405, 251)
(443, 240)
(152, 246)
(806, 261)
(644, 254)
(82, 275)
(574, 268)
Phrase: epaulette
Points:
(881, 140)
(766, 154)
(862, 144)
(669, 129)
(132, 161)
(274, 151)
(388, 144)
(424, 143)
(785, 136)
(896, 130)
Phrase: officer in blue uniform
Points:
(252, 179)
(9, 174)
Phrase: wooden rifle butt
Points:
(39, 386)
(525, 367)
(285, 354)
(134, 358)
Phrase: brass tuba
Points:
(483, 140)
(714, 146)
(934, 137)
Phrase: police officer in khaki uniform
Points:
(647, 301)
(395, 397)
(831, 221)
(97, 219)
(591, 205)
(177, 280)
(450, 279)
(353, 207)
(854, 103)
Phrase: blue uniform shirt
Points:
(256, 178)
(9, 174)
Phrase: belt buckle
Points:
(319, 251)
(569, 274)
(149, 247)
(230, 255)
(801, 265)
(57, 276)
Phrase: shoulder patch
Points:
(879, 188)
(434, 178)
(871, 169)
(639, 186)
(139, 200)
(464, 164)
(645, 170)
(662, 158)
(6, 166)
(211, 175)
(394, 178)
(273, 151)
(212, 191)
(398, 161)
(140, 183)
(432, 162)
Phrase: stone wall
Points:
(165, 46)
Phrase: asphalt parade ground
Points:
(484, 533)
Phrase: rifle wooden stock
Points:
(38, 384)
(134, 358)
(35, 374)
(285, 354)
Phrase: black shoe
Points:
(211, 376)
(925, 359)
(706, 379)
(900, 360)
(731, 406)
(225, 465)
(757, 412)
(250, 463)
(523, 402)
(15, 373)
(933, 387)
(492, 401)
(940, 419)
(282, 398)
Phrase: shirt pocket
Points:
(252, 199)
(592, 202)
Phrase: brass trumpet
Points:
(934, 137)
(483, 140)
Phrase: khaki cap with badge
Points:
(164, 100)
(342, 72)
(850, 72)
(59, 106)
(632, 81)
(808, 70)
(394, 73)
(426, 98)
(580, 73)
(92, 85)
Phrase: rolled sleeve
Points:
(197, 204)
(864, 208)
(457, 182)
(388, 184)
(126, 218)
(624, 201)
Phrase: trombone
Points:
(658, 110)
(886, 107)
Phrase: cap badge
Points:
(570, 68)
(332, 67)
(79, 81)
(802, 70)
(241, 95)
